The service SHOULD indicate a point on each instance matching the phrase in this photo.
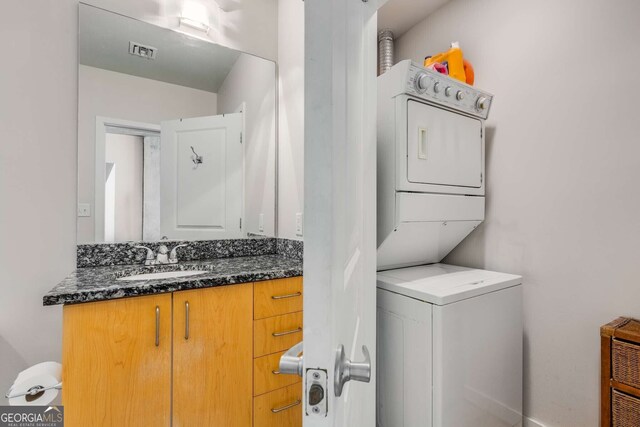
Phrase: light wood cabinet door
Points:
(280, 408)
(116, 358)
(212, 357)
(276, 297)
(276, 334)
(267, 376)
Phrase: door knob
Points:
(346, 370)
(291, 362)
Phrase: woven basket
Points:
(626, 410)
(626, 363)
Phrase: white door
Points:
(443, 148)
(202, 184)
(340, 208)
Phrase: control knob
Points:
(436, 87)
(481, 103)
(460, 95)
(421, 82)
(447, 91)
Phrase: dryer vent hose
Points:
(385, 51)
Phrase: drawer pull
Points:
(282, 334)
(297, 294)
(275, 372)
(284, 408)
(157, 326)
(186, 320)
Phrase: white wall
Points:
(122, 96)
(563, 166)
(38, 163)
(252, 81)
(127, 154)
(38, 83)
(290, 115)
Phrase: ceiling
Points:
(180, 59)
(400, 15)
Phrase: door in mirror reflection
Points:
(123, 187)
(202, 163)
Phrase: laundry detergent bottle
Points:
(454, 58)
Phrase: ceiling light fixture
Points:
(196, 15)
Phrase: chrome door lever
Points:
(346, 370)
(292, 362)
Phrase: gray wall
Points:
(38, 116)
(563, 167)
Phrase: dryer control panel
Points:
(446, 91)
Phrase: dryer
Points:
(430, 164)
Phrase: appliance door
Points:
(477, 361)
(443, 147)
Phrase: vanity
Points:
(195, 350)
(183, 299)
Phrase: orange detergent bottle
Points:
(454, 58)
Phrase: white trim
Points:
(242, 108)
(101, 135)
(530, 422)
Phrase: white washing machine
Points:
(449, 348)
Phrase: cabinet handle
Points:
(157, 326)
(186, 318)
(284, 408)
(275, 372)
(281, 334)
(297, 294)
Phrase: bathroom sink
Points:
(162, 275)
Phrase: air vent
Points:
(143, 51)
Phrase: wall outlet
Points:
(261, 222)
(299, 223)
(84, 209)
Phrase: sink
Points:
(162, 275)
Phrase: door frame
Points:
(128, 127)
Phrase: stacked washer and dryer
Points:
(449, 338)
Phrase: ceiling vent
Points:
(143, 51)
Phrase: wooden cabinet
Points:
(278, 327)
(117, 362)
(212, 362)
(197, 358)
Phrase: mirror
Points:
(176, 135)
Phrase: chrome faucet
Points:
(161, 257)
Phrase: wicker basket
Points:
(625, 360)
(626, 410)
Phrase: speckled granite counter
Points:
(100, 283)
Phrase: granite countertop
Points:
(100, 283)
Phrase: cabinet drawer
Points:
(625, 410)
(275, 297)
(625, 360)
(280, 408)
(264, 378)
(276, 334)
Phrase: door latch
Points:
(316, 393)
(346, 370)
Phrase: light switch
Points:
(84, 209)
(299, 224)
(261, 223)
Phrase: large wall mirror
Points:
(176, 135)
